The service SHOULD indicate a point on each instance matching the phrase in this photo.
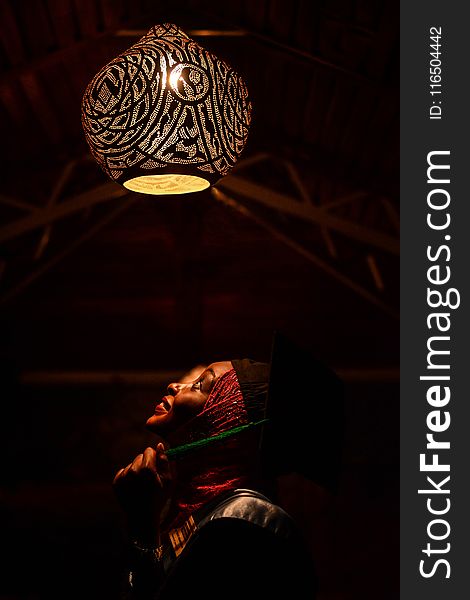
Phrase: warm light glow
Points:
(159, 185)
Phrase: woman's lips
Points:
(163, 407)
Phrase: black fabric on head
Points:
(303, 400)
(253, 378)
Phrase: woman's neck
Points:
(196, 490)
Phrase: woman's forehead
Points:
(220, 367)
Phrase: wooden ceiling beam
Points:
(46, 266)
(161, 378)
(306, 253)
(291, 206)
(41, 217)
(10, 35)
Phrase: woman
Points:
(200, 525)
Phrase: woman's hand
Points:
(142, 489)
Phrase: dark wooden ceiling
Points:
(98, 287)
(323, 77)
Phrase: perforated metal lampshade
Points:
(166, 116)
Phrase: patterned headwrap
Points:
(231, 403)
(237, 398)
(224, 408)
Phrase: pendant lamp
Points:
(166, 116)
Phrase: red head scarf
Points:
(209, 473)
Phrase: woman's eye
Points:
(197, 385)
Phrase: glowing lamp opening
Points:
(159, 185)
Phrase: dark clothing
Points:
(243, 547)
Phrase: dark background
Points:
(107, 297)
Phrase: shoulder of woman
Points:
(252, 507)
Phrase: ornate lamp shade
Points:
(166, 116)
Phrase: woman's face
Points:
(185, 400)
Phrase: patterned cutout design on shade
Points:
(166, 106)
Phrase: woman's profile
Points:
(207, 525)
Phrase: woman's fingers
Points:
(117, 476)
(121, 474)
(162, 462)
(137, 463)
(149, 460)
(143, 488)
(152, 464)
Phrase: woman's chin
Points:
(160, 423)
(154, 423)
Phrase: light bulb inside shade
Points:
(160, 185)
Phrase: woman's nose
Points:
(174, 388)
